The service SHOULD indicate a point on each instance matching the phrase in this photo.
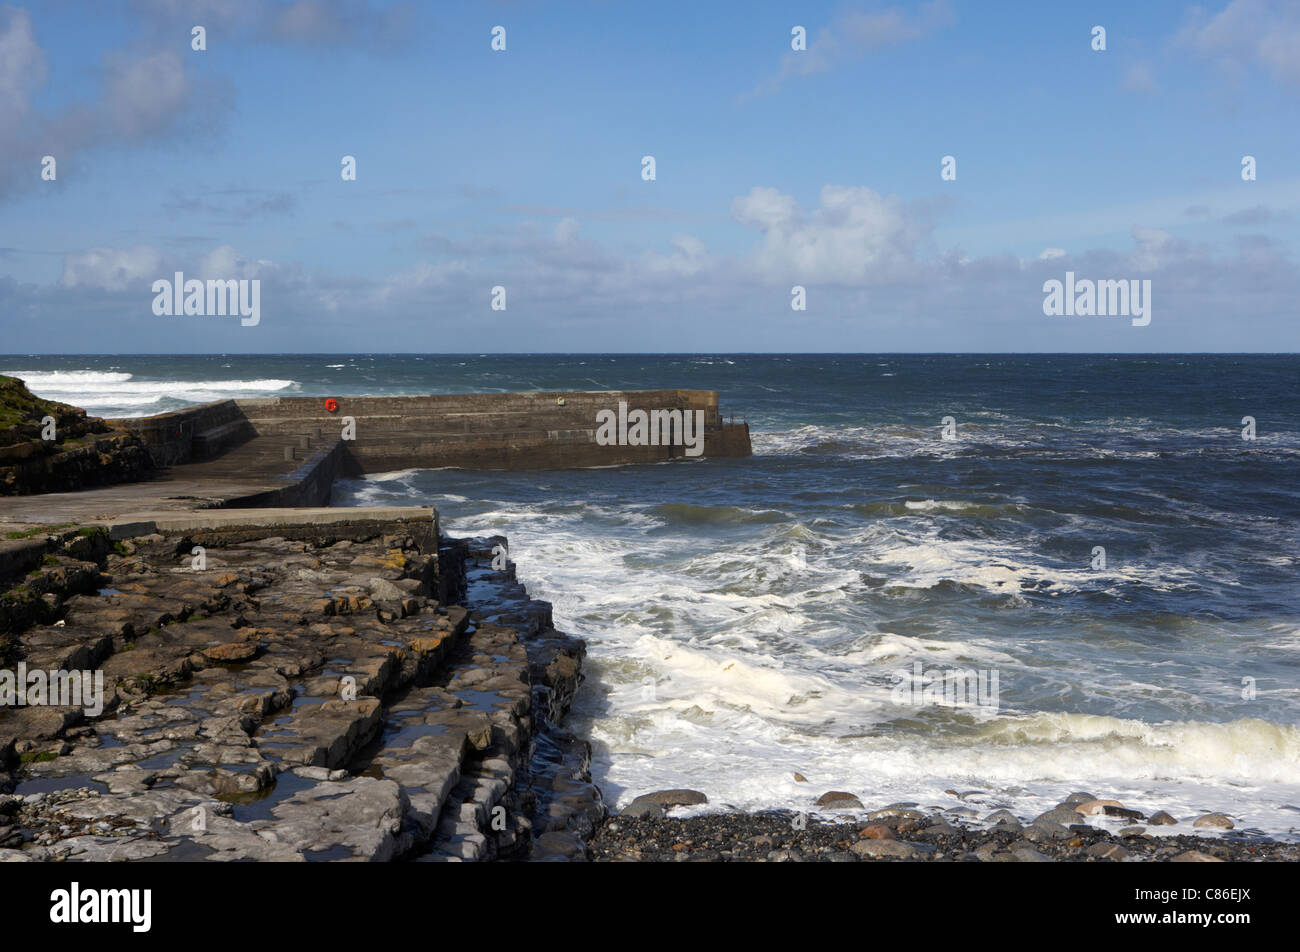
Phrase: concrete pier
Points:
(545, 430)
(288, 451)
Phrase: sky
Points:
(774, 168)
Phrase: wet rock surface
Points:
(317, 701)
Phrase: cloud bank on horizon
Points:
(883, 176)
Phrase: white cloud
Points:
(142, 96)
(1139, 79)
(873, 284)
(305, 22)
(856, 33)
(225, 262)
(689, 257)
(120, 269)
(111, 269)
(567, 230)
(1264, 33)
(1155, 247)
(764, 208)
(854, 236)
(22, 64)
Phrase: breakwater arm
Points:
(545, 430)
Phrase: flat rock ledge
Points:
(297, 698)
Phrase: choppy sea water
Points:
(747, 619)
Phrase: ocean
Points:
(1097, 548)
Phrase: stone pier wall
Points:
(192, 435)
(550, 430)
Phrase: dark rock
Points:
(941, 828)
(1063, 816)
(839, 800)
(785, 856)
(1124, 813)
(896, 813)
(644, 809)
(674, 798)
(876, 831)
(1026, 855)
(1108, 851)
(897, 849)
(1195, 856)
(1049, 828)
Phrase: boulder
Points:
(1096, 807)
(839, 800)
(674, 798)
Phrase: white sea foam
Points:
(685, 688)
(921, 558)
(67, 378)
(94, 390)
(728, 666)
(932, 505)
(997, 433)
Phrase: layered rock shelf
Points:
(359, 690)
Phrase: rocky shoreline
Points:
(648, 832)
(363, 688)
(339, 691)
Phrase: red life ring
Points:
(332, 405)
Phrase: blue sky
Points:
(522, 169)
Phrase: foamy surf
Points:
(727, 668)
(123, 394)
